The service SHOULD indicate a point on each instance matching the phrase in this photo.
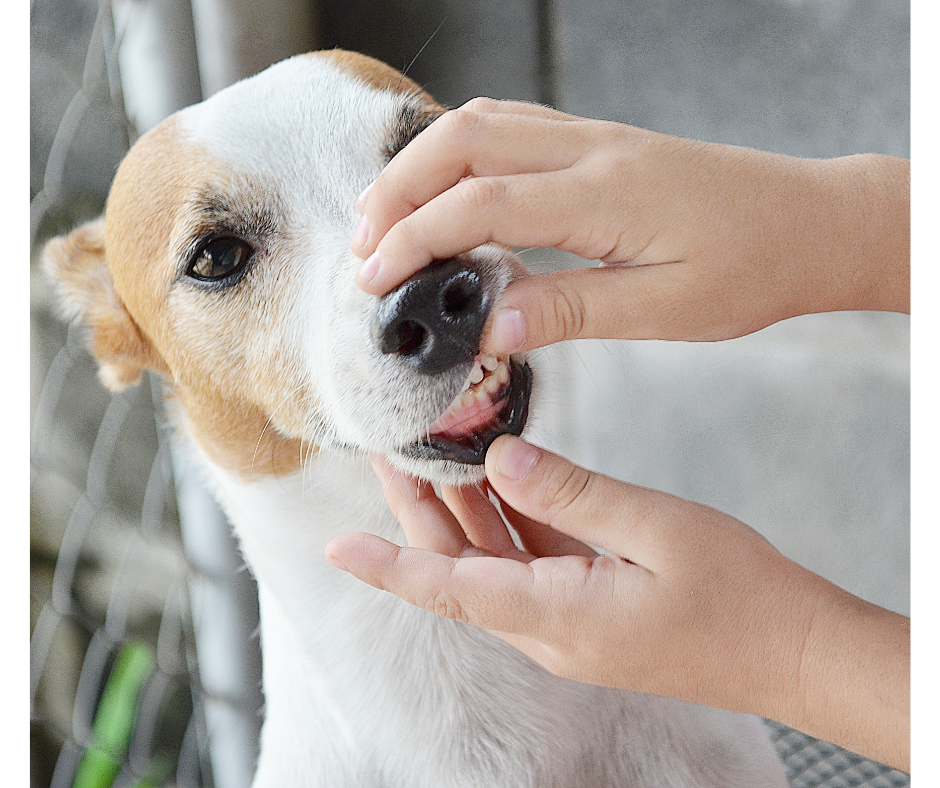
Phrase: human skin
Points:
(696, 242)
(685, 601)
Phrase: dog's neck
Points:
(363, 689)
(358, 671)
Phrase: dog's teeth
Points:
(489, 362)
(475, 376)
(502, 373)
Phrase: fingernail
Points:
(516, 459)
(334, 561)
(508, 332)
(369, 269)
(361, 199)
(362, 232)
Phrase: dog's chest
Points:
(364, 689)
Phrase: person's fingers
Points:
(500, 594)
(620, 518)
(460, 148)
(426, 521)
(487, 530)
(539, 209)
(480, 106)
(463, 143)
(542, 540)
(480, 521)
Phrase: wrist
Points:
(852, 233)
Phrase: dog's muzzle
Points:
(433, 322)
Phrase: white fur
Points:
(362, 689)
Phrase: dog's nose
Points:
(435, 319)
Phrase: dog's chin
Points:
(449, 472)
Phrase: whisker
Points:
(424, 46)
(269, 422)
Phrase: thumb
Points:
(597, 303)
(589, 506)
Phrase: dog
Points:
(222, 263)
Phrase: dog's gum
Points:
(482, 387)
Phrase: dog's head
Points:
(223, 263)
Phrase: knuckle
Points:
(567, 313)
(442, 602)
(447, 606)
(481, 105)
(404, 236)
(479, 195)
(566, 488)
(461, 124)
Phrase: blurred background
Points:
(144, 660)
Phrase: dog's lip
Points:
(471, 449)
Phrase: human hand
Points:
(697, 241)
(685, 601)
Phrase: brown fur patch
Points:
(116, 275)
(247, 407)
(228, 408)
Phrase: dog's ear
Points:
(76, 263)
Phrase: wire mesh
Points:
(811, 763)
(115, 697)
(108, 580)
(112, 584)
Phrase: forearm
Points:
(857, 671)
(845, 676)
(842, 236)
(883, 240)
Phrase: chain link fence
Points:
(114, 687)
(133, 572)
(121, 591)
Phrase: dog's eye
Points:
(218, 259)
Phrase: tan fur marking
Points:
(146, 198)
(125, 302)
(239, 437)
(120, 274)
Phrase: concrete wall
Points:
(801, 430)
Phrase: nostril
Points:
(461, 295)
(408, 338)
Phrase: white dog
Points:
(223, 264)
